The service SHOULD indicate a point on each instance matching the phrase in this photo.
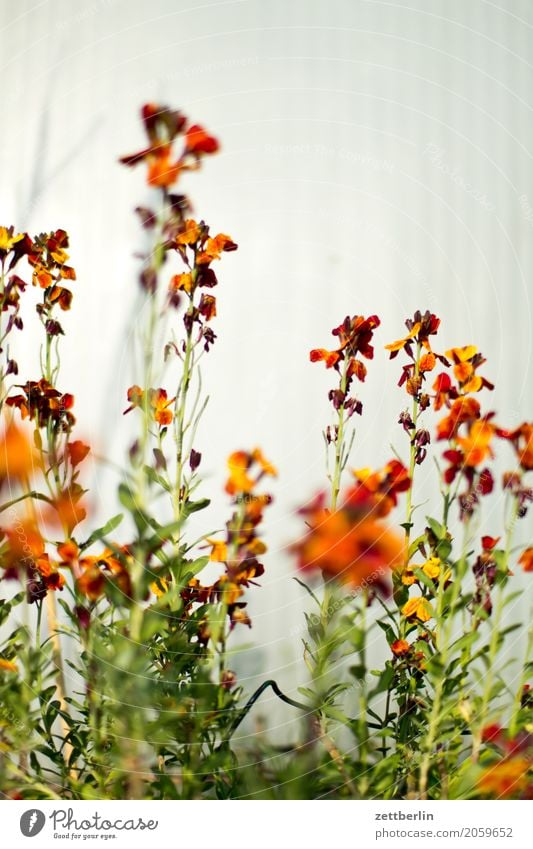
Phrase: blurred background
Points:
(376, 158)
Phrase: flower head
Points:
(350, 545)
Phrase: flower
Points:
(8, 665)
(465, 362)
(66, 510)
(8, 240)
(330, 358)
(240, 463)
(354, 336)
(219, 550)
(418, 608)
(17, 457)
(198, 141)
(214, 247)
(163, 126)
(476, 445)
(522, 439)
(109, 567)
(506, 779)
(526, 560)
(431, 567)
(157, 401)
(462, 410)
(42, 403)
(24, 557)
(420, 328)
(400, 648)
(350, 545)
(77, 452)
(381, 487)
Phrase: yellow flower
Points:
(219, 550)
(431, 567)
(159, 587)
(7, 241)
(408, 577)
(418, 608)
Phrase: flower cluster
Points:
(48, 258)
(351, 544)
(197, 250)
(509, 774)
(24, 558)
(163, 126)
(422, 361)
(43, 404)
(354, 336)
(156, 402)
(240, 549)
(96, 573)
(379, 488)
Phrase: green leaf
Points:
(308, 589)
(153, 623)
(389, 632)
(385, 680)
(438, 529)
(104, 531)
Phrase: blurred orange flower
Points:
(526, 560)
(350, 545)
(17, 456)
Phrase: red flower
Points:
(198, 141)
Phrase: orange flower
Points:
(400, 648)
(160, 404)
(526, 560)
(444, 390)
(522, 439)
(466, 360)
(331, 358)
(162, 171)
(198, 141)
(77, 452)
(109, 566)
(418, 608)
(69, 552)
(505, 779)
(182, 282)
(476, 446)
(214, 247)
(239, 464)
(349, 545)
(17, 457)
(67, 511)
(158, 401)
(427, 362)
(380, 488)
(354, 336)
(8, 665)
(462, 410)
(61, 296)
(43, 403)
(219, 550)
(420, 328)
(395, 347)
(190, 232)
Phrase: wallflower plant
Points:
(116, 663)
